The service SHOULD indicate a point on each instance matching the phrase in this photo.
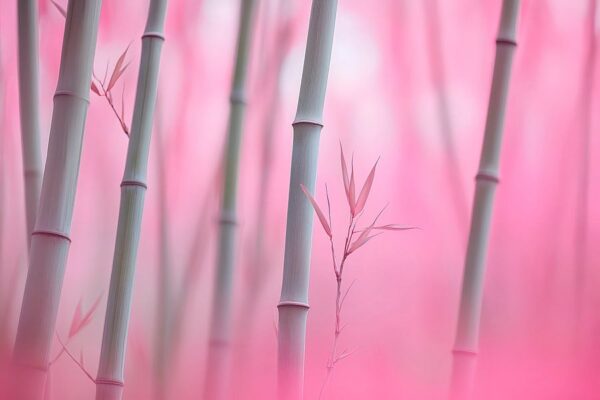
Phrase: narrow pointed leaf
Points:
(345, 174)
(118, 70)
(366, 189)
(394, 227)
(352, 191)
(60, 8)
(81, 320)
(95, 89)
(317, 210)
(361, 241)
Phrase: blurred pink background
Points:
(382, 100)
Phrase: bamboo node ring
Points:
(238, 97)
(71, 94)
(155, 35)
(508, 42)
(50, 232)
(308, 122)
(483, 176)
(297, 304)
(134, 183)
(228, 219)
(464, 352)
(113, 382)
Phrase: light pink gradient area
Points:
(540, 329)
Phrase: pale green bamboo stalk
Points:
(293, 305)
(109, 381)
(467, 335)
(219, 347)
(50, 240)
(29, 107)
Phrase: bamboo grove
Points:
(236, 179)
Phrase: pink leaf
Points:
(345, 174)
(364, 193)
(118, 70)
(95, 89)
(317, 210)
(81, 320)
(59, 8)
(394, 227)
(352, 191)
(361, 241)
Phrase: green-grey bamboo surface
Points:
(110, 380)
(467, 334)
(29, 108)
(293, 305)
(50, 238)
(219, 347)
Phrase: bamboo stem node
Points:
(238, 97)
(508, 42)
(134, 183)
(296, 304)
(71, 94)
(228, 219)
(49, 232)
(157, 35)
(464, 352)
(112, 382)
(485, 176)
(307, 121)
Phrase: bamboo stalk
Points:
(29, 108)
(50, 240)
(467, 334)
(293, 305)
(109, 382)
(216, 382)
(581, 230)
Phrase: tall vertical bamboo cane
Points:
(467, 334)
(29, 107)
(293, 305)
(109, 382)
(50, 240)
(216, 383)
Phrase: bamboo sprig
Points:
(467, 333)
(293, 305)
(356, 208)
(218, 359)
(110, 379)
(29, 108)
(50, 240)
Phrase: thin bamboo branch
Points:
(109, 382)
(29, 108)
(216, 383)
(293, 305)
(50, 241)
(467, 335)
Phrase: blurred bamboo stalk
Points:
(163, 303)
(467, 334)
(438, 71)
(29, 107)
(293, 305)
(581, 230)
(219, 348)
(50, 240)
(109, 383)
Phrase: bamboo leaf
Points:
(394, 227)
(60, 9)
(95, 89)
(352, 191)
(81, 320)
(361, 241)
(345, 173)
(317, 210)
(118, 70)
(366, 189)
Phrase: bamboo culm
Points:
(467, 334)
(29, 108)
(219, 347)
(307, 126)
(50, 238)
(109, 381)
